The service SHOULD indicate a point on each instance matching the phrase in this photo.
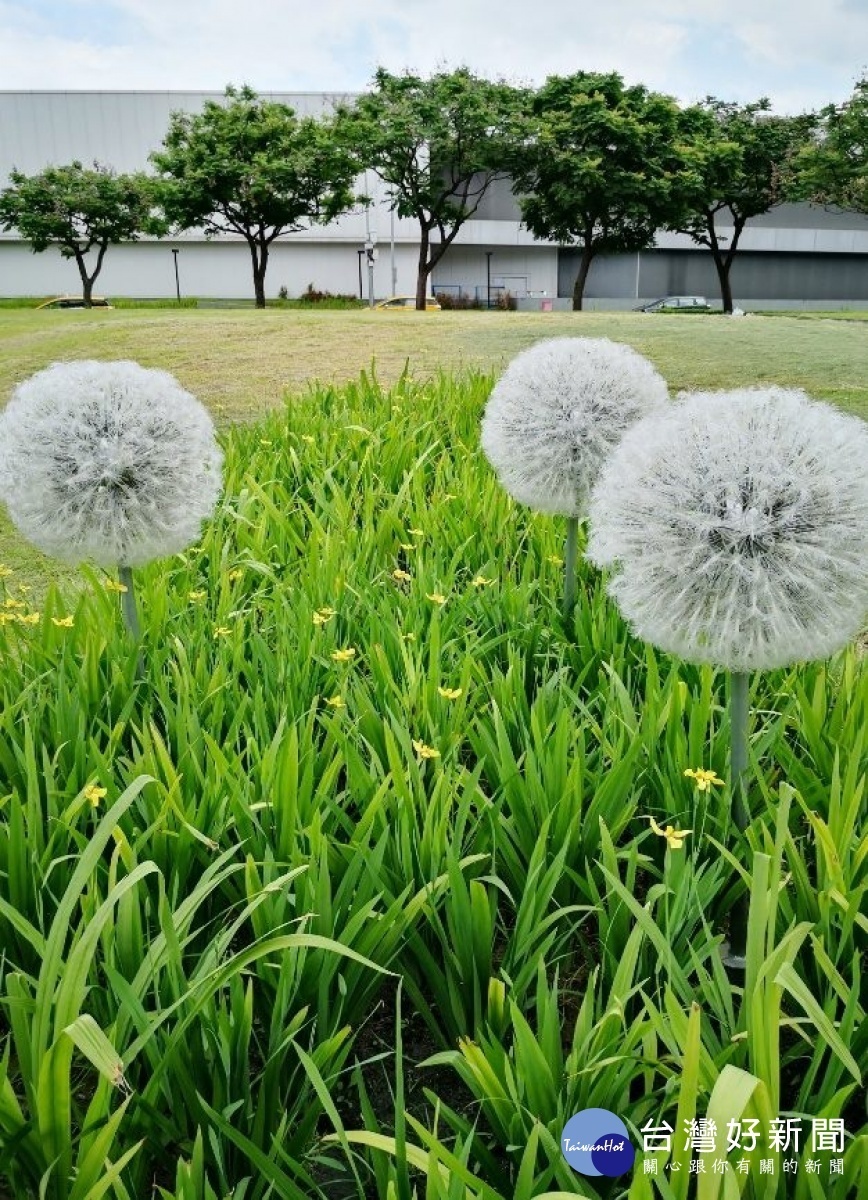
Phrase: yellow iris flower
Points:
(703, 779)
(674, 837)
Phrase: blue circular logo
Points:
(596, 1142)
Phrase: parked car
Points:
(74, 302)
(677, 304)
(407, 304)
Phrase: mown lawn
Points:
(242, 363)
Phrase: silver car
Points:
(692, 303)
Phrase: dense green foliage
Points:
(834, 168)
(288, 947)
(741, 162)
(79, 209)
(600, 167)
(252, 167)
(439, 143)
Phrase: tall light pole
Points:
(394, 269)
(488, 254)
(177, 278)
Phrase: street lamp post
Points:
(371, 252)
(361, 254)
(370, 241)
(177, 277)
(488, 254)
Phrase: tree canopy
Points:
(79, 209)
(600, 167)
(834, 166)
(252, 167)
(439, 143)
(741, 163)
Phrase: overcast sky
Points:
(801, 53)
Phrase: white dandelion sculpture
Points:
(108, 462)
(554, 416)
(735, 525)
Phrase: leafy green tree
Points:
(600, 167)
(833, 166)
(439, 143)
(742, 163)
(252, 167)
(79, 209)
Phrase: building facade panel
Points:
(755, 276)
(147, 269)
(520, 270)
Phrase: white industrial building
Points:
(795, 255)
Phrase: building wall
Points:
(530, 270)
(117, 128)
(216, 270)
(755, 275)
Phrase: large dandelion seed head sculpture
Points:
(108, 462)
(736, 527)
(558, 410)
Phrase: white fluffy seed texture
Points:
(109, 462)
(736, 525)
(557, 412)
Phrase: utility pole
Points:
(371, 251)
(370, 242)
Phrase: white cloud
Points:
(783, 48)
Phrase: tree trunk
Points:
(86, 281)
(723, 262)
(722, 265)
(582, 277)
(422, 275)
(259, 256)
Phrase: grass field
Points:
(243, 363)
